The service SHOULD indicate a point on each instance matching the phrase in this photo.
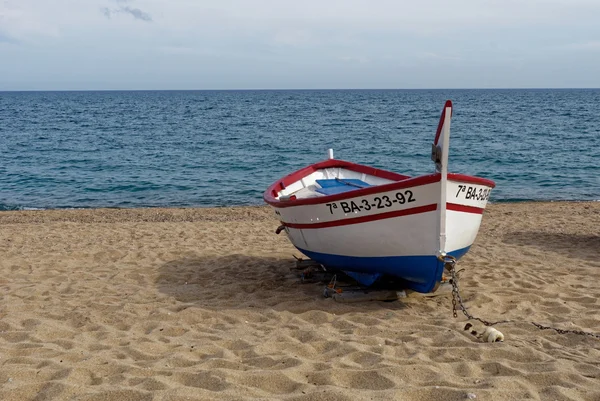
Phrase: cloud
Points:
(135, 12)
(106, 12)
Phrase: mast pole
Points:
(439, 155)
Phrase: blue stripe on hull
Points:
(421, 273)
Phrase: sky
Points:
(300, 44)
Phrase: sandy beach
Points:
(200, 304)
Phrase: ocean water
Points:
(223, 148)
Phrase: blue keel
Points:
(421, 273)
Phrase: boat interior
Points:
(329, 181)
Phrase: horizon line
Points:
(292, 89)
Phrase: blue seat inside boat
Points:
(337, 186)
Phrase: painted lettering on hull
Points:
(473, 192)
(370, 203)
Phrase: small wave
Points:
(12, 208)
(5, 207)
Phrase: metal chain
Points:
(450, 263)
(563, 331)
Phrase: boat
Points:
(371, 223)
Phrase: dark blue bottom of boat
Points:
(420, 273)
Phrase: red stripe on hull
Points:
(463, 208)
(387, 215)
(365, 219)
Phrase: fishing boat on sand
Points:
(370, 223)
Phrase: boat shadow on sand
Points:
(581, 246)
(242, 281)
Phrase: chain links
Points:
(563, 331)
(450, 265)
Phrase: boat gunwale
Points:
(400, 181)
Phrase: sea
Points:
(129, 149)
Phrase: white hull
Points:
(412, 234)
